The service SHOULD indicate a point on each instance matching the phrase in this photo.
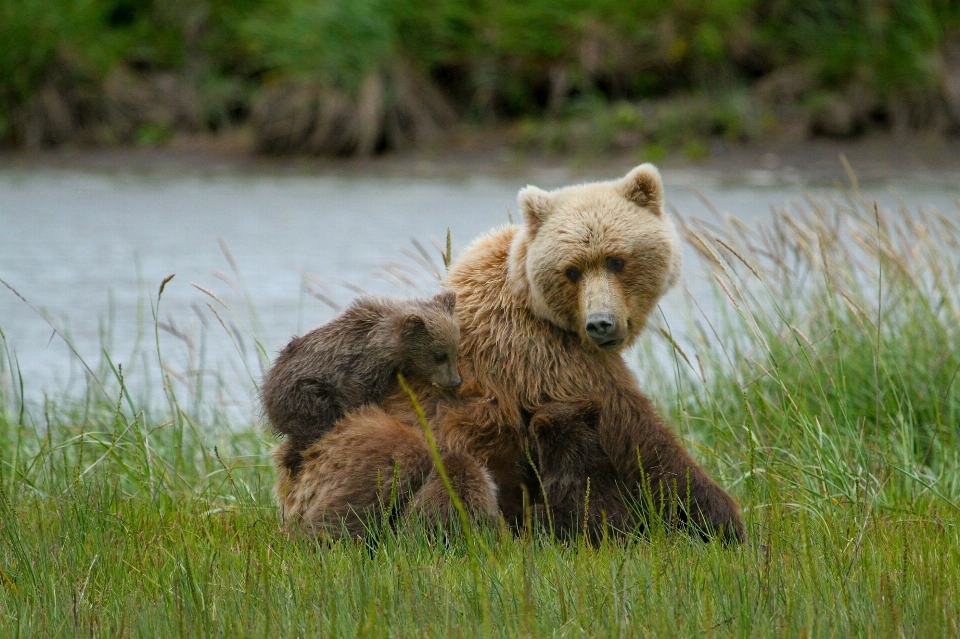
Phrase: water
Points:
(88, 252)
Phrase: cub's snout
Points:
(447, 376)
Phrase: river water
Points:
(87, 251)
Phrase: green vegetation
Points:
(362, 76)
(825, 397)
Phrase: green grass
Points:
(837, 431)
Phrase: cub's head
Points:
(595, 259)
(561, 432)
(429, 340)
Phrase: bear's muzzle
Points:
(602, 328)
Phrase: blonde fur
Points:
(524, 344)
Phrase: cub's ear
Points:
(410, 325)
(643, 187)
(590, 411)
(447, 300)
(536, 204)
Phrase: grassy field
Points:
(825, 398)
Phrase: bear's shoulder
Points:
(485, 258)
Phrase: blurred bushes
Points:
(360, 76)
(347, 76)
(104, 71)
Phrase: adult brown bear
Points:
(545, 310)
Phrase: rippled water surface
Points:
(88, 252)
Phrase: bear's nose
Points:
(601, 327)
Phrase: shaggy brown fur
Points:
(470, 481)
(581, 489)
(371, 467)
(526, 340)
(353, 360)
(544, 311)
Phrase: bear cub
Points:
(579, 483)
(353, 360)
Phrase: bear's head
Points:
(429, 338)
(595, 259)
(561, 431)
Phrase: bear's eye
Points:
(573, 274)
(615, 264)
(440, 357)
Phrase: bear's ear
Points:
(590, 411)
(410, 325)
(447, 300)
(536, 205)
(643, 187)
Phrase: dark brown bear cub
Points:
(579, 483)
(353, 360)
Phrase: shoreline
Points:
(919, 159)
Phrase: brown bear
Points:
(545, 310)
(353, 360)
(580, 487)
(371, 468)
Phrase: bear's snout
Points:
(603, 330)
(448, 378)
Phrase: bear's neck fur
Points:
(517, 279)
(553, 364)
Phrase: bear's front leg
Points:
(652, 461)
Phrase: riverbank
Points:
(359, 77)
(927, 159)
